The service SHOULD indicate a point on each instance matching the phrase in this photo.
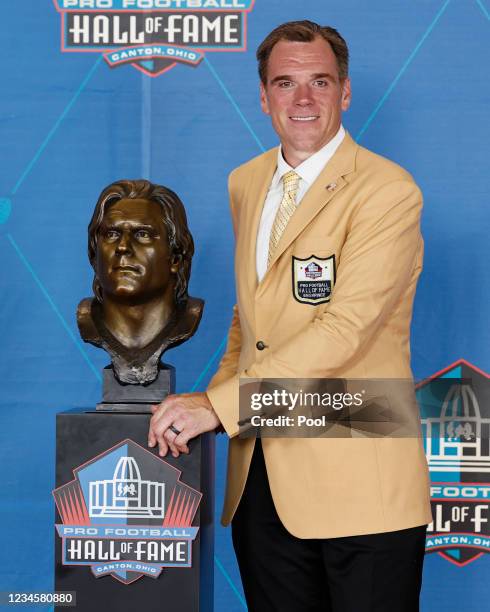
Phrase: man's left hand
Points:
(189, 414)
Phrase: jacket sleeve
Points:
(228, 366)
(376, 263)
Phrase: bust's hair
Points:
(303, 31)
(173, 216)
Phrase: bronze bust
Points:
(141, 250)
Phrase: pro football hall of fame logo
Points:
(455, 406)
(127, 514)
(153, 35)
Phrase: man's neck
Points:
(310, 168)
(136, 325)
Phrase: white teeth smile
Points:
(312, 118)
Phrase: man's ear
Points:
(175, 263)
(263, 100)
(97, 289)
(346, 94)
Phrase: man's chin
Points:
(301, 149)
(127, 293)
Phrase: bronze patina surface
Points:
(141, 250)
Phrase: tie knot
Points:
(290, 180)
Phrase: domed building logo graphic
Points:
(455, 407)
(126, 495)
(127, 514)
(313, 270)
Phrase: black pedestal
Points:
(109, 491)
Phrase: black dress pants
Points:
(281, 573)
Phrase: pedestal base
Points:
(107, 478)
(119, 397)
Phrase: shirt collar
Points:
(311, 167)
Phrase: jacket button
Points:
(260, 345)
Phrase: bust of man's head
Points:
(139, 244)
(141, 250)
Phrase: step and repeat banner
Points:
(98, 90)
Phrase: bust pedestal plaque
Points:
(103, 534)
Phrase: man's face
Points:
(133, 258)
(304, 96)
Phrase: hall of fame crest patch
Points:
(455, 410)
(313, 279)
(127, 514)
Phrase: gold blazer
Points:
(365, 210)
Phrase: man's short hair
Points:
(173, 216)
(303, 31)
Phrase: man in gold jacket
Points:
(330, 524)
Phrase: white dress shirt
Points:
(308, 172)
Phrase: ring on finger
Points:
(176, 431)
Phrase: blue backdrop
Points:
(70, 125)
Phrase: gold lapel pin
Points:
(331, 186)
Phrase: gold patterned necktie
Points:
(286, 209)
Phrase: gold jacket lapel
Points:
(260, 182)
(328, 184)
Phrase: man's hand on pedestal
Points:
(178, 419)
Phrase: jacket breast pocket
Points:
(305, 245)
